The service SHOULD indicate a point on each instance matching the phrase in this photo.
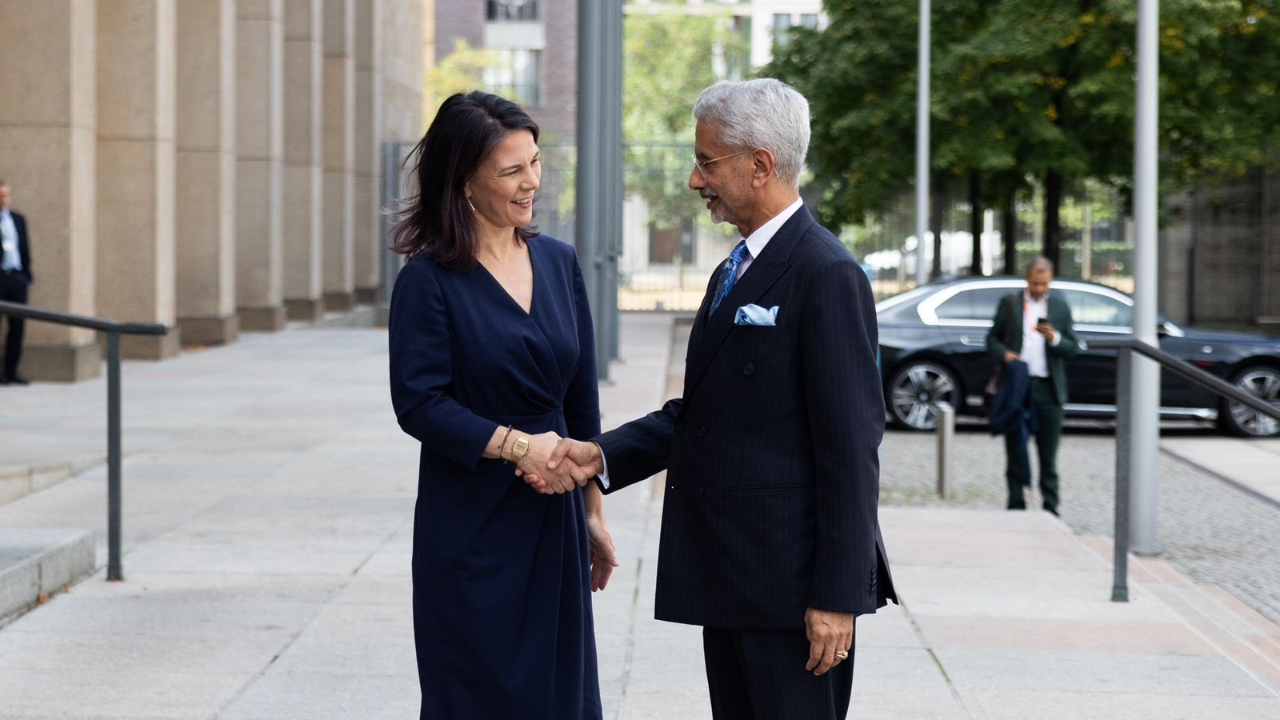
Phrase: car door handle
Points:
(970, 342)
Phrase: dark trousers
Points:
(760, 675)
(13, 288)
(1048, 414)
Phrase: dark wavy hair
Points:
(439, 220)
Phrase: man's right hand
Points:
(1008, 358)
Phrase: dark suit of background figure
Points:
(772, 474)
(14, 285)
(1047, 398)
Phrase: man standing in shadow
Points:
(15, 279)
(1039, 330)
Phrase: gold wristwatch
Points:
(520, 448)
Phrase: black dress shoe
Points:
(17, 380)
(4, 379)
(1052, 511)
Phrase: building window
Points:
(516, 75)
(809, 20)
(511, 10)
(781, 24)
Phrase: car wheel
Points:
(1263, 382)
(915, 392)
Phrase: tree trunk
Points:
(1054, 188)
(1009, 234)
(935, 226)
(975, 224)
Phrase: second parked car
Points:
(933, 350)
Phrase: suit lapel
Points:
(1015, 322)
(710, 332)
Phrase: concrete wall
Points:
(168, 155)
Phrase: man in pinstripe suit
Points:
(770, 538)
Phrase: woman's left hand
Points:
(603, 556)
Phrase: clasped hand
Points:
(578, 461)
(546, 468)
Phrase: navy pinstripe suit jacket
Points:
(772, 452)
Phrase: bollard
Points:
(946, 438)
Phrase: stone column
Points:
(135, 198)
(205, 213)
(367, 224)
(48, 150)
(303, 173)
(259, 163)
(339, 136)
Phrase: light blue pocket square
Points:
(756, 315)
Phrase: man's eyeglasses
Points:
(704, 166)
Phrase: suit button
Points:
(749, 369)
(680, 427)
(702, 432)
(698, 493)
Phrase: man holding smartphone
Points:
(1040, 334)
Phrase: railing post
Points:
(114, 569)
(1124, 427)
(946, 441)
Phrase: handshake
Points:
(556, 465)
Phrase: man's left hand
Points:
(828, 633)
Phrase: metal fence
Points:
(1097, 240)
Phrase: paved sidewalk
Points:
(268, 505)
(1252, 465)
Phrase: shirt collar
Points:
(763, 234)
(1026, 297)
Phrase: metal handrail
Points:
(114, 330)
(1124, 417)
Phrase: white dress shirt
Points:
(1033, 352)
(756, 243)
(9, 259)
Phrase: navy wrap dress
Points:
(501, 582)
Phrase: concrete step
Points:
(19, 481)
(36, 563)
(1236, 630)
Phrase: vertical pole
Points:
(946, 441)
(587, 181)
(1124, 424)
(390, 196)
(922, 144)
(1143, 373)
(614, 181)
(114, 569)
(1086, 244)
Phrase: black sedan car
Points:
(933, 350)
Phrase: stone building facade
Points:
(213, 166)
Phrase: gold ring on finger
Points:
(842, 654)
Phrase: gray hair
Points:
(763, 113)
(1039, 263)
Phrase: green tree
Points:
(462, 70)
(670, 57)
(1033, 90)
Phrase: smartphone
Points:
(1042, 321)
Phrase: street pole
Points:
(922, 145)
(1144, 374)
(587, 211)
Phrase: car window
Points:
(976, 304)
(1089, 308)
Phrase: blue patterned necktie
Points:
(729, 273)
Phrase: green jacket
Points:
(1009, 311)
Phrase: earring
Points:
(473, 207)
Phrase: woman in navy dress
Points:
(492, 361)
